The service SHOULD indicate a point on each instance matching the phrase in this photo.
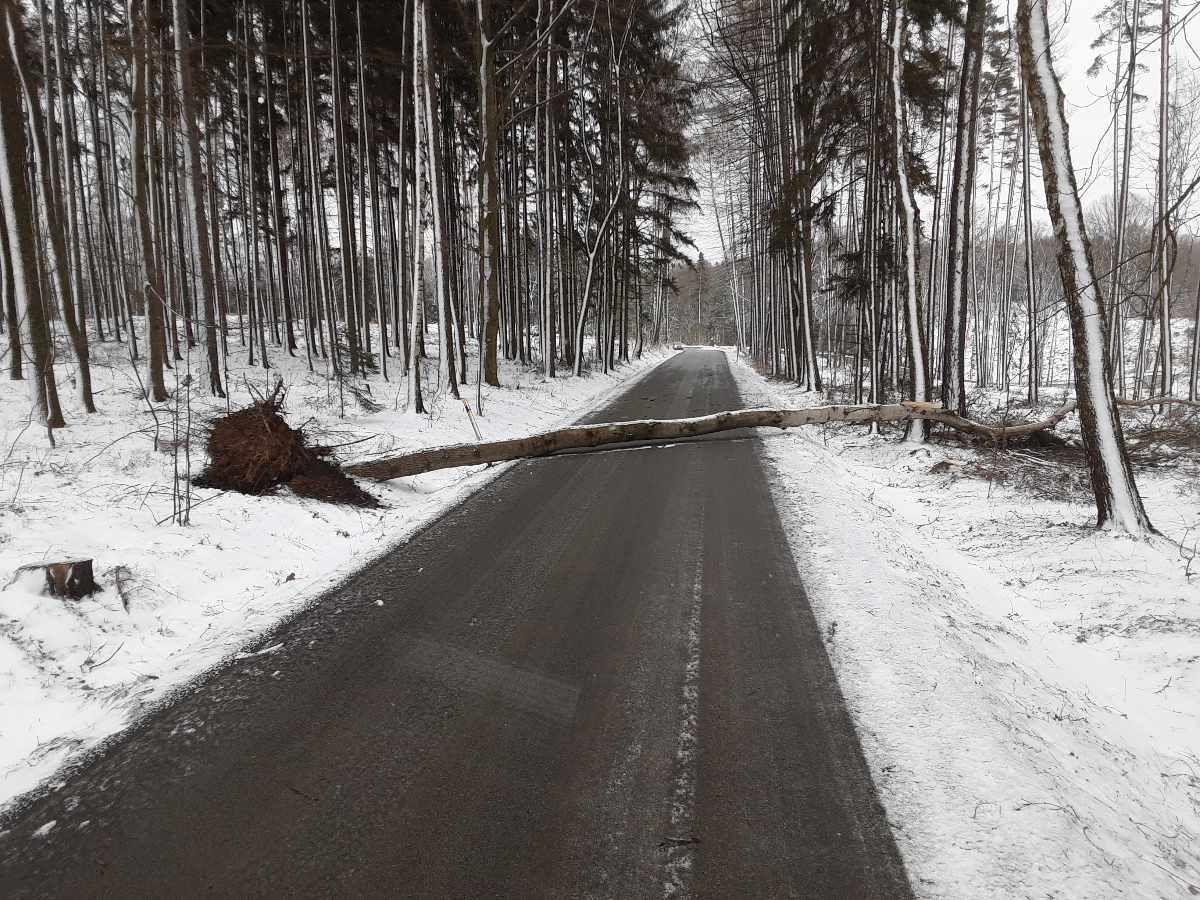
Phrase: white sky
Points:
(1088, 110)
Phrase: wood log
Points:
(580, 437)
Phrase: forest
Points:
(348, 181)
(900, 216)
(383, 187)
(600, 448)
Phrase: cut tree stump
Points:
(72, 578)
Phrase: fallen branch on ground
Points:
(1159, 401)
(998, 433)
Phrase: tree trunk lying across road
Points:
(579, 437)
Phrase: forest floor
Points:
(178, 599)
(1027, 690)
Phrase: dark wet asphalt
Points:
(598, 677)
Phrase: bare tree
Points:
(1118, 504)
(201, 250)
(19, 222)
(152, 283)
(910, 225)
(1165, 233)
(8, 298)
(962, 188)
(52, 206)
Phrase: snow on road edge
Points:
(1019, 751)
(74, 674)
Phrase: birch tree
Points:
(909, 242)
(1118, 504)
(962, 188)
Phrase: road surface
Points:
(598, 677)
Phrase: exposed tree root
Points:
(254, 451)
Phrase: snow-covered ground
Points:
(1027, 690)
(73, 673)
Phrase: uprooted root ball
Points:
(254, 451)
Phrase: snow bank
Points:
(73, 673)
(1027, 690)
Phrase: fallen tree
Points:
(583, 437)
(586, 437)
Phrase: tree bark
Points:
(1118, 504)
(582, 437)
(427, 107)
(53, 214)
(201, 249)
(489, 198)
(18, 219)
(961, 194)
(909, 243)
(588, 436)
(1162, 262)
(8, 296)
(152, 289)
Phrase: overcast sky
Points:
(1088, 108)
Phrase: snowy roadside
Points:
(73, 673)
(1027, 690)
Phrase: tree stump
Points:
(70, 578)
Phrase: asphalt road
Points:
(598, 677)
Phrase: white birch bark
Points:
(910, 229)
(1163, 266)
(1118, 503)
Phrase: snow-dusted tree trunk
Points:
(201, 250)
(1116, 350)
(615, 59)
(489, 198)
(71, 199)
(962, 189)
(278, 216)
(577, 437)
(324, 291)
(804, 249)
(19, 225)
(1027, 215)
(8, 298)
(909, 238)
(1118, 504)
(427, 108)
(1162, 262)
(341, 183)
(53, 208)
(151, 275)
(420, 136)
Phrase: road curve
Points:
(597, 677)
